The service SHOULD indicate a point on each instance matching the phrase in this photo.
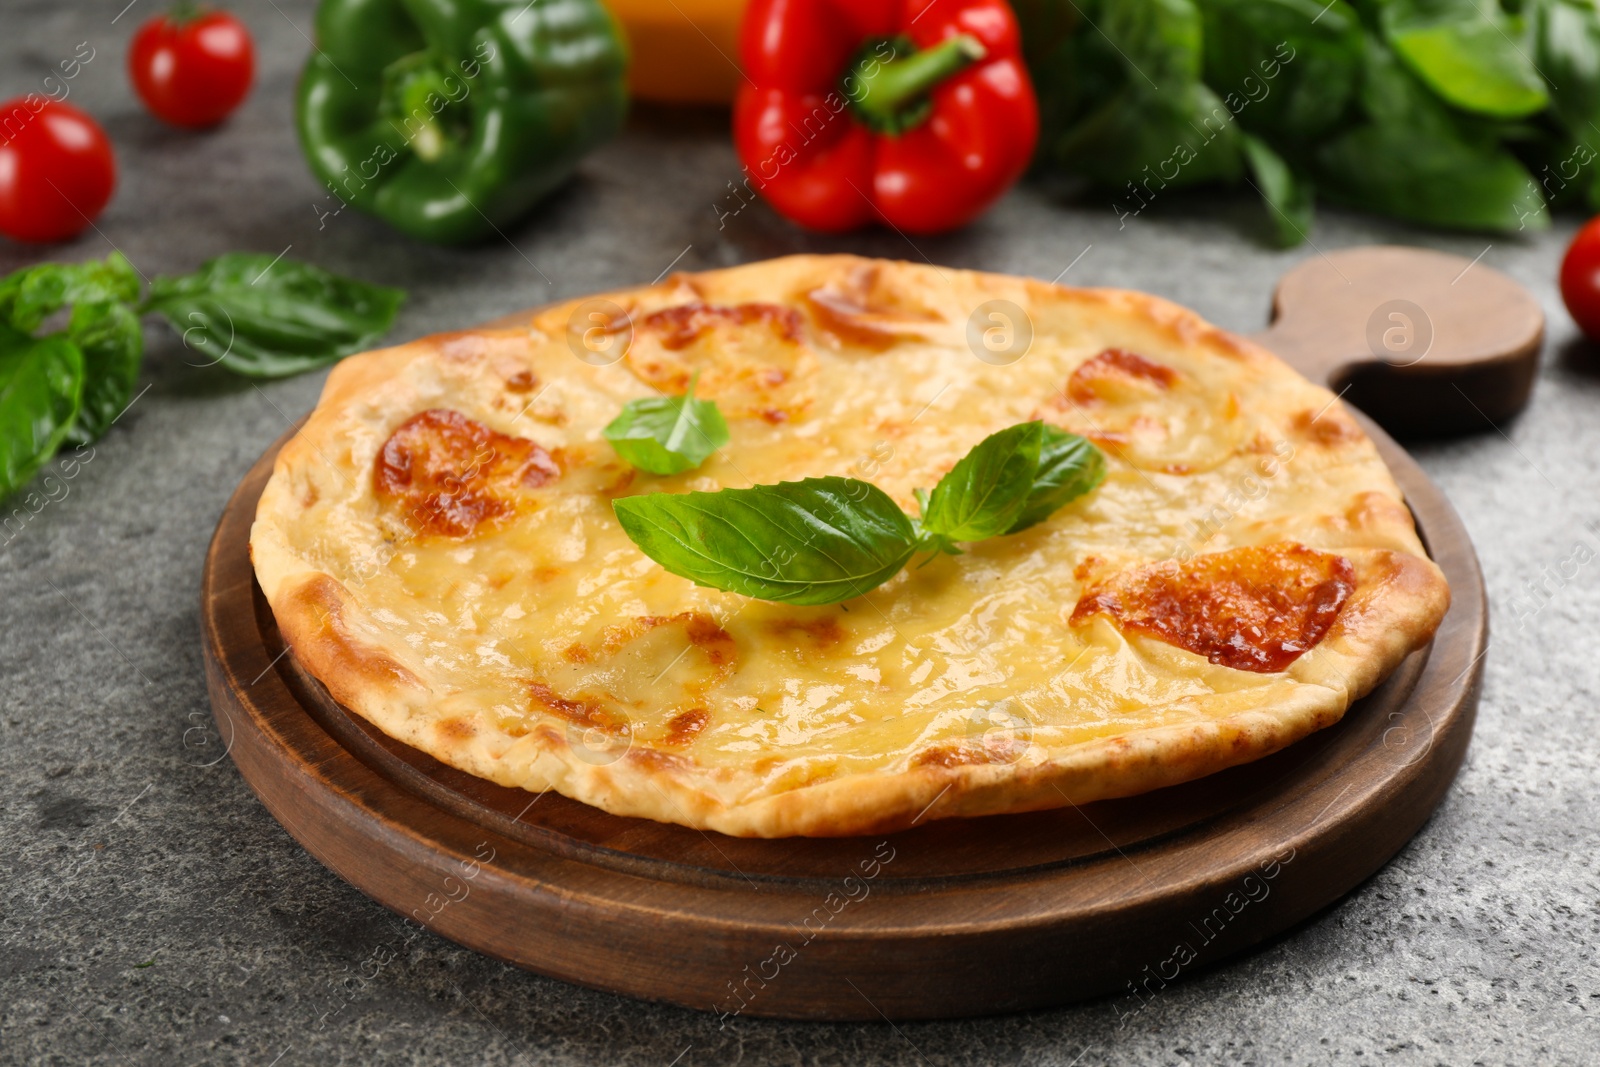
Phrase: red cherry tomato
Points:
(192, 71)
(56, 169)
(1580, 279)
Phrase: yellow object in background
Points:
(684, 51)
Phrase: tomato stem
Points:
(890, 94)
(183, 11)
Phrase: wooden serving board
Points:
(1426, 343)
(951, 918)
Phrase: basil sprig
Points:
(668, 434)
(103, 326)
(823, 540)
(257, 315)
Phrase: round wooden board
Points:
(951, 918)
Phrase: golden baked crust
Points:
(505, 625)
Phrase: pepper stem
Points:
(427, 139)
(891, 95)
(416, 101)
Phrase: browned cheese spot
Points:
(752, 358)
(1098, 379)
(952, 755)
(700, 628)
(523, 381)
(449, 475)
(580, 711)
(681, 326)
(316, 628)
(457, 730)
(1328, 428)
(685, 726)
(1258, 608)
(861, 307)
(819, 633)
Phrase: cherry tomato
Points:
(192, 71)
(1580, 279)
(56, 169)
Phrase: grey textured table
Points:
(152, 911)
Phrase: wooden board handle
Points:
(1426, 343)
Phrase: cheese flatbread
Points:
(439, 548)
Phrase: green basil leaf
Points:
(41, 385)
(1467, 51)
(1123, 93)
(1159, 39)
(1069, 466)
(817, 541)
(1567, 50)
(1140, 143)
(112, 342)
(1288, 197)
(984, 493)
(1288, 68)
(1567, 41)
(271, 319)
(103, 324)
(668, 435)
(30, 295)
(1415, 160)
(1431, 180)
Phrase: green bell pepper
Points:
(449, 119)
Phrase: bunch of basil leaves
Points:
(1469, 114)
(252, 314)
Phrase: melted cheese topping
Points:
(447, 474)
(477, 532)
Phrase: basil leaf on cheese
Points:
(983, 495)
(823, 540)
(1069, 466)
(817, 541)
(668, 434)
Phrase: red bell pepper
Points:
(914, 113)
